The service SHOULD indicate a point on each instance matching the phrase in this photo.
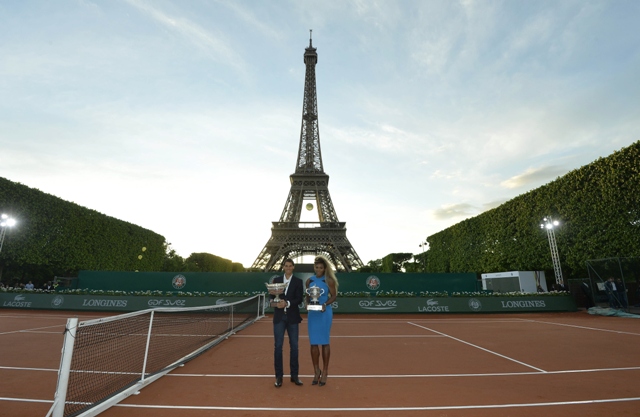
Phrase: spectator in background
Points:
(48, 286)
(612, 292)
(622, 293)
(29, 286)
(587, 293)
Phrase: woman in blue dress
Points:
(319, 321)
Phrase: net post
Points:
(65, 368)
(232, 322)
(261, 308)
(87, 404)
(146, 349)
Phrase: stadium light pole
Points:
(5, 221)
(423, 245)
(549, 224)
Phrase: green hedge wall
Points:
(56, 237)
(206, 262)
(598, 206)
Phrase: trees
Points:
(172, 261)
(206, 262)
(372, 266)
(393, 262)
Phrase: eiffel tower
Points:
(291, 238)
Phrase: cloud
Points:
(454, 210)
(445, 175)
(253, 21)
(197, 35)
(493, 204)
(380, 137)
(534, 176)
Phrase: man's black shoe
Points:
(278, 383)
(296, 380)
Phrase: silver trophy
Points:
(276, 289)
(314, 293)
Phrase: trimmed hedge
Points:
(57, 237)
(598, 205)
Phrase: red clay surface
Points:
(553, 364)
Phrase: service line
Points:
(479, 347)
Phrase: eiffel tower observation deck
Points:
(290, 237)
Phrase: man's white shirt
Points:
(286, 288)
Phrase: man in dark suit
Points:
(286, 316)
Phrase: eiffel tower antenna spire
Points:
(291, 238)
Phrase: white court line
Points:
(567, 371)
(451, 320)
(33, 330)
(345, 409)
(20, 368)
(26, 400)
(430, 408)
(478, 347)
(48, 316)
(400, 376)
(267, 319)
(344, 337)
(583, 327)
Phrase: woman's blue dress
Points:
(318, 322)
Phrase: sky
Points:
(184, 117)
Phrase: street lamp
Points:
(5, 221)
(550, 224)
(424, 261)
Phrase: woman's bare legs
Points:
(315, 359)
(326, 355)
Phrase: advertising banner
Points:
(423, 305)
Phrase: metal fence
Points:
(612, 282)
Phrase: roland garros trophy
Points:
(276, 289)
(314, 293)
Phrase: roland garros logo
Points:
(475, 304)
(178, 282)
(57, 301)
(373, 282)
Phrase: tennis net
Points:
(108, 359)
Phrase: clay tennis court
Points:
(553, 364)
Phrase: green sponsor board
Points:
(104, 302)
(437, 305)
(422, 305)
(254, 281)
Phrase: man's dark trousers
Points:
(287, 319)
(278, 332)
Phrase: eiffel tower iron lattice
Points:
(291, 238)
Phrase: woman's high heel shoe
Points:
(316, 377)
(323, 383)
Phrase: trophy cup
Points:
(276, 289)
(314, 293)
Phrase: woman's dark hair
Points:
(328, 271)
